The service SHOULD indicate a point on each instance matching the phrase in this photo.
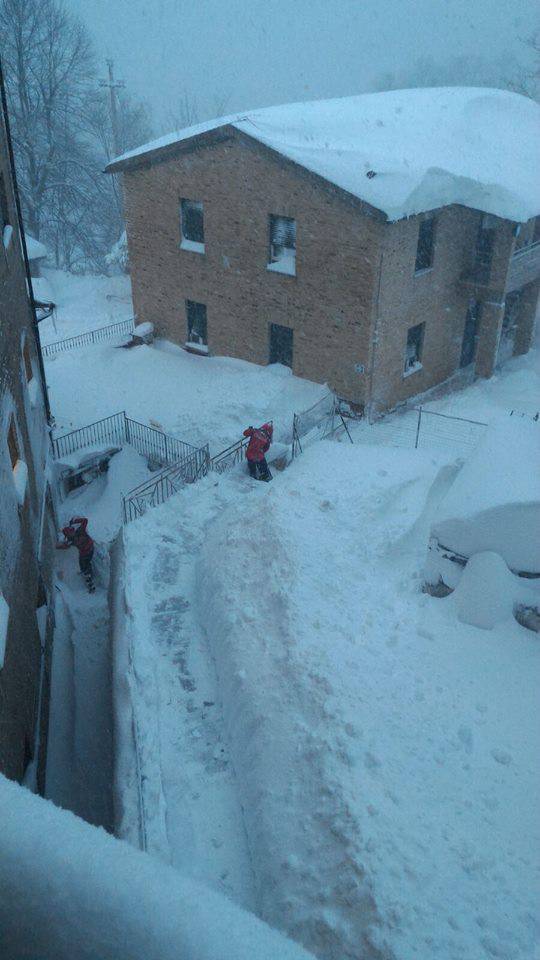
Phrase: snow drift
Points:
(69, 890)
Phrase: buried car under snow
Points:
(492, 506)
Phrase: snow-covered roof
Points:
(35, 249)
(403, 151)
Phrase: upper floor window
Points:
(485, 242)
(426, 245)
(414, 348)
(18, 466)
(6, 229)
(192, 225)
(31, 380)
(282, 253)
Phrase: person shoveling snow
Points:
(260, 439)
(76, 536)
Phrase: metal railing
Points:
(119, 429)
(321, 420)
(439, 428)
(167, 482)
(230, 456)
(109, 430)
(101, 335)
(527, 248)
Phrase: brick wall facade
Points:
(26, 528)
(355, 293)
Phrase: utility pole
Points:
(113, 86)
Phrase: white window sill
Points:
(194, 347)
(33, 391)
(424, 270)
(192, 245)
(282, 266)
(415, 369)
(20, 479)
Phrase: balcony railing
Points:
(524, 267)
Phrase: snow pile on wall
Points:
(406, 151)
(101, 500)
(70, 890)
(35, 249)
(494, 502)
(378, 742)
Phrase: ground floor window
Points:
(414, 348)
(281, 345)
(18, 466)
(197, 326)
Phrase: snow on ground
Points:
(378, 743)
(198, 399)
(83, 303)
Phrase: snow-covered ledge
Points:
(20, 479)
(194, 246)
(4, 620)
(72, 890)
(415, 368)
(201, 348)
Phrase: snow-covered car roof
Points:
(402, 151)
(494, 502)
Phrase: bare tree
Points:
(47, 63)
(62, 132)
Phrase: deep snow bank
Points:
(69, 890)
(379, 741)
(494, 502)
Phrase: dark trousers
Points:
(85, 566)
(258, 469)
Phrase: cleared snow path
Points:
(79, 776)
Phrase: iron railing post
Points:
(418, 427)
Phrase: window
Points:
(4, 212)
(426, 243)
(485, 242)
(192, 225)
(27, 361)
(18, 466)
(413, 351)
(13, 443)
(196, 323)
(282, 254)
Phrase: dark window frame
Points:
(192, 222)
(13, 442)
(197, 326)
(425, 245)
(415, 340)
(4, 206)
(282, 236)
(27, 358)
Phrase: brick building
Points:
(363, 242)
(27, 518)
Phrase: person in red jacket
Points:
(260, 439)
(76, 535)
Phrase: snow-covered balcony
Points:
(524, 267)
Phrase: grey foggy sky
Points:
(262, 52)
